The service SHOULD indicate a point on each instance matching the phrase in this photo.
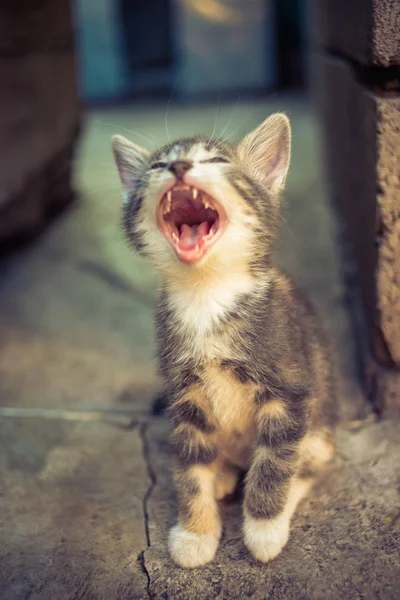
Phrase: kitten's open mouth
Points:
(191, 221)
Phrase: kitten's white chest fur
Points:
(201, 305)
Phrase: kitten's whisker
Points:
(288, 228)
(147, 138)
(233, 132)
(98, 164)
(167, 111)
(153, 130)
(216, 119)
(230, 120)
(110, 193)
(111, 185)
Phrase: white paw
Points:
(190, 550)
(265, 538)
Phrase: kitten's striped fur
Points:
(246, 369)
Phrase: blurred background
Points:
(77, 356)
(133, 49)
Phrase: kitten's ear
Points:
(266, 151)
(130, 160)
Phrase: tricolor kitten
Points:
(246, 370)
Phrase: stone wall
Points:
(39, 114)
(356, 59)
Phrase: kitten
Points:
(247, 374)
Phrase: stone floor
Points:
(86, 496)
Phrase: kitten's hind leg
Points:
(226, 479)
(316, 451)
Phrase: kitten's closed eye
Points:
(216, 159)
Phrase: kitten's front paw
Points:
(190, 550)
(265, 538)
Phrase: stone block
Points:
(39, 114)
(38, 27)
(365, 31)
(362, 133)
(348, 121)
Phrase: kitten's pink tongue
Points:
(191, 236)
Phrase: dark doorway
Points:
(290, 20)
(147, 38)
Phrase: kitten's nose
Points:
(179, 167)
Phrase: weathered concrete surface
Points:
(78, 500)
(76, 332)
(388, 222)
(345, 538)
(72, 337)
(72, 522)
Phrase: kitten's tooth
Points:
(175, 237)
(195, 192)
(169, 201)
(206, 203)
